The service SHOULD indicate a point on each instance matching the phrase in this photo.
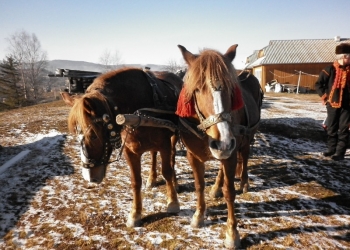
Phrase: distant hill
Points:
(87, 66)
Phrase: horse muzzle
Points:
(221, 150)
(95, 174)
(92, 171)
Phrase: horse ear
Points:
(67, 98)
(231, 52)
(188, 56)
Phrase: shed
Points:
(293, 62)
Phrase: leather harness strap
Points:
(159, 92)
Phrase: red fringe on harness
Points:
(186, 108)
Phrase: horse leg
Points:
(242, 166)
(174, 140)
(232, 236)
(216, 190)
(198, 169)
(152, 177)
(134, 162)
(167, 172)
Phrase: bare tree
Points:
(110, 60)
(174, 66)
(26, 50)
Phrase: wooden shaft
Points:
(135, 120)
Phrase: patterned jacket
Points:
(324, 86)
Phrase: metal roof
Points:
(296, 52)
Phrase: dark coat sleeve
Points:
(322, 82)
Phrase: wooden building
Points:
(294, 62)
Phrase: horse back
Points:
(168, 86)
(251, 85)
(131, 89)
(169, 77)
(252, 97)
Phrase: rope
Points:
(307, 74)
(282, 76)
(294, 74)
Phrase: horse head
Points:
(92, 117)
(211, 85)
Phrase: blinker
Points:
(110, 126)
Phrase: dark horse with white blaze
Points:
(222, 117)
(145, 95)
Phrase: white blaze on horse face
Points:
(85, 171)
(223, 127)
(86, 174)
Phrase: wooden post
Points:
(298, 82)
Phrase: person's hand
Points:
(324, 99)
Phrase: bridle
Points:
(112, 139)
(206, 123)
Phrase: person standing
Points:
(333, 86)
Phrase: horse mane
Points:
(209, 65)
(84, 111)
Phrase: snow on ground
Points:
(297, 200)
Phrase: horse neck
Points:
(127, 98)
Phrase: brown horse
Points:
(127, 91)
(225, 115)
(251, 85)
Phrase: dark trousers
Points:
(338, 120)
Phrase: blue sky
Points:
(148, 32)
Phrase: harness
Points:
(114, 140)
(159, 95)
(114, 130)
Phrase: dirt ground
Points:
(298, 198)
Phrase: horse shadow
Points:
(270, 209)
(24, 177)
(298, 161)
(294, 128)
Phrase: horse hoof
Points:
(244, 188)
(173, 207)
(197, 223)
(150, 184)
(232, 243)
(215, 193)
(134, 222)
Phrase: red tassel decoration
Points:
(185, 109)
(237, 99)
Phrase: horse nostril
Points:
(214, 144)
